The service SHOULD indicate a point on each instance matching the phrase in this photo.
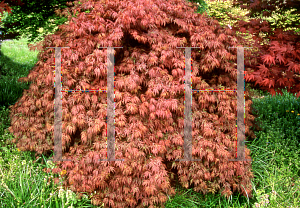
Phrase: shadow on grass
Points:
(10, 89)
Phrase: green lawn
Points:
(275, 152)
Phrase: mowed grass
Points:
(275, 152)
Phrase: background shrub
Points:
(34, 19)
(202, 6)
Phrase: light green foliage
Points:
(219, 8)
(277, 19)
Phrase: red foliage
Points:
(277, 64)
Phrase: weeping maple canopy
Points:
(149, 102)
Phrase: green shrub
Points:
(202, 6)
(36, 19)
(278, 20)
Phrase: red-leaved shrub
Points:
(149, 102)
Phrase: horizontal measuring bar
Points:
(105, 90)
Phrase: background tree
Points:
(267, 8)
(5, 6)
(34, 19)
(274, 65)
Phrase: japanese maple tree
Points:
(149, 102)
(276, 64)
